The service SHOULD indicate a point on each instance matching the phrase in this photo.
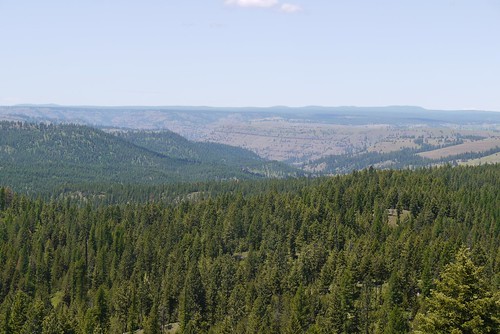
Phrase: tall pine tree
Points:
(461, 302)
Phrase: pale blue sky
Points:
(432, 53)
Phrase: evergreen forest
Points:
(368, 252)
(39, 158)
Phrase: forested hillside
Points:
(319, 139)
(407, 158)
(369, 252)
(37, 158)
(175, 146)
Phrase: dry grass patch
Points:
(473, 146)
(240, 256)
(172, 328)
(392, 215)
(391, 146)
(489, 159)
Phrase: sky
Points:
(438, 54)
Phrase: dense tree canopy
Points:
(361, 253)
(38, 158)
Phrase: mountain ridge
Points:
(34, 156)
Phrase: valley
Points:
(305, 138)
(124, 229)
(249, 167)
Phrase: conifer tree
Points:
(51, 324)
(152, 325)
(2, 198)
(192, 301)
(18, 312)
(461, 302)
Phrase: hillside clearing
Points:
(474, 146)
(489, 159)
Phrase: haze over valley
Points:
(250, 167)
(308, 138)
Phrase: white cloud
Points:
(290, 8)
(284, 7)
(252, 3)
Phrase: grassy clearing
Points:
(489, 159)
(240, 256)
(392, 215)
(172, 328)
(392, 146)
(473, 146)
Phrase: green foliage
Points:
(177, 147)
(397, 322)
(37, 158)
(295, 256)
(192, 302)
(152, 323)
(405, 158)
(51, 324)
(18, 312)
(461, 302)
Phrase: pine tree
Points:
(461, 302)
(101, 310)
(192, 303)
(396, 322)
(51, 324)
(299, 318)
(33, 324)
(18, 312)
(2, 198)
(152, 325)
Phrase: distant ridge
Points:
(41, 156)
(295, 135)
(388, 108)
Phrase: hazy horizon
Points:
(440, 55)
(117, 106)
